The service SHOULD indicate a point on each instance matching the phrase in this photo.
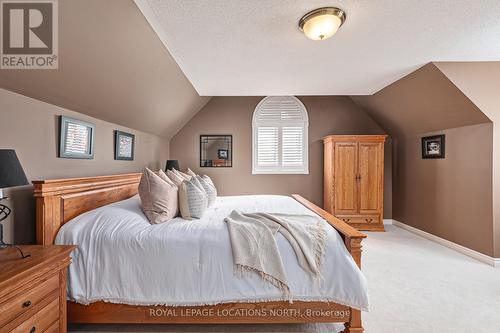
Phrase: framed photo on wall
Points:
(433, 146)
(124, 146)
(76, 138)
(223, 154)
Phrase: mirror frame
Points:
(231, 148)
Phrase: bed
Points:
(102, 215)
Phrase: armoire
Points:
(354, 179)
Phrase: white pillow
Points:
(209, 188)
(182, 174)
(193, 201)
(191, 173)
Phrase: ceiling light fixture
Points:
(322, 23)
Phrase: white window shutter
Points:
(280, 136)
(292, 147)
(267, 146)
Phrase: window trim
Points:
(302, 170)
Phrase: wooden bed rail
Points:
(352, 240)
(352, 237)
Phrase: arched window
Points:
(280, 136)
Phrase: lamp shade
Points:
(11, 171)
(172, 164)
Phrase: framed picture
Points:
(223, 154)
(216, 151)
(76, 138)
(124, 146)
(433, 146)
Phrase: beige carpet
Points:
(415, 286)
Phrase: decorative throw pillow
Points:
(209, 180)
(159, 198)
(191, 173)
(209, 188)
(164, 176)
(193, 201)
(175, 178)
(183, 175)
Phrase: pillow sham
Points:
(158, 197)
(209, 188)
(164, 176)
(191, 172)
(193, 201)
(175, 178)
(182, 174)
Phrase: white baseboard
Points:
(495, 262)
(388, 221)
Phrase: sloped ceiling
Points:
(112, 66)
(254, 47)
(423, 101)
(479, 81)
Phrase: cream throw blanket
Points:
(255, 248)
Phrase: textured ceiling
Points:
(243, 47)
(112, 66)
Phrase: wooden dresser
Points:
(33, 290)
(354, 179)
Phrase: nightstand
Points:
(33, 289)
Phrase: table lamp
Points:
(11, 174)
(172, 164)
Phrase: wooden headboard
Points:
(60, 200)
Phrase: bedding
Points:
(175, 178)
(193, 200)
(254, 246)
(122, 258)
(209, 188)
(159, 197)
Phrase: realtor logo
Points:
(29, 34)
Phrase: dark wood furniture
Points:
(58, 201)
(33, 289)
(354, 179)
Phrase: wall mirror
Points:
(216, 151)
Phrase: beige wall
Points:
(480, 81)
(233, 115)
(450, 197)
(30, 127)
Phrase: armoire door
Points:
(370, 177)
(345, 175)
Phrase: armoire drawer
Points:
(359, 219)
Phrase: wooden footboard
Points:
(352, 240)
(352, 237)
(58, 201)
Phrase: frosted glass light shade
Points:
(322, 23)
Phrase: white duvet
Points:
(122, 258)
